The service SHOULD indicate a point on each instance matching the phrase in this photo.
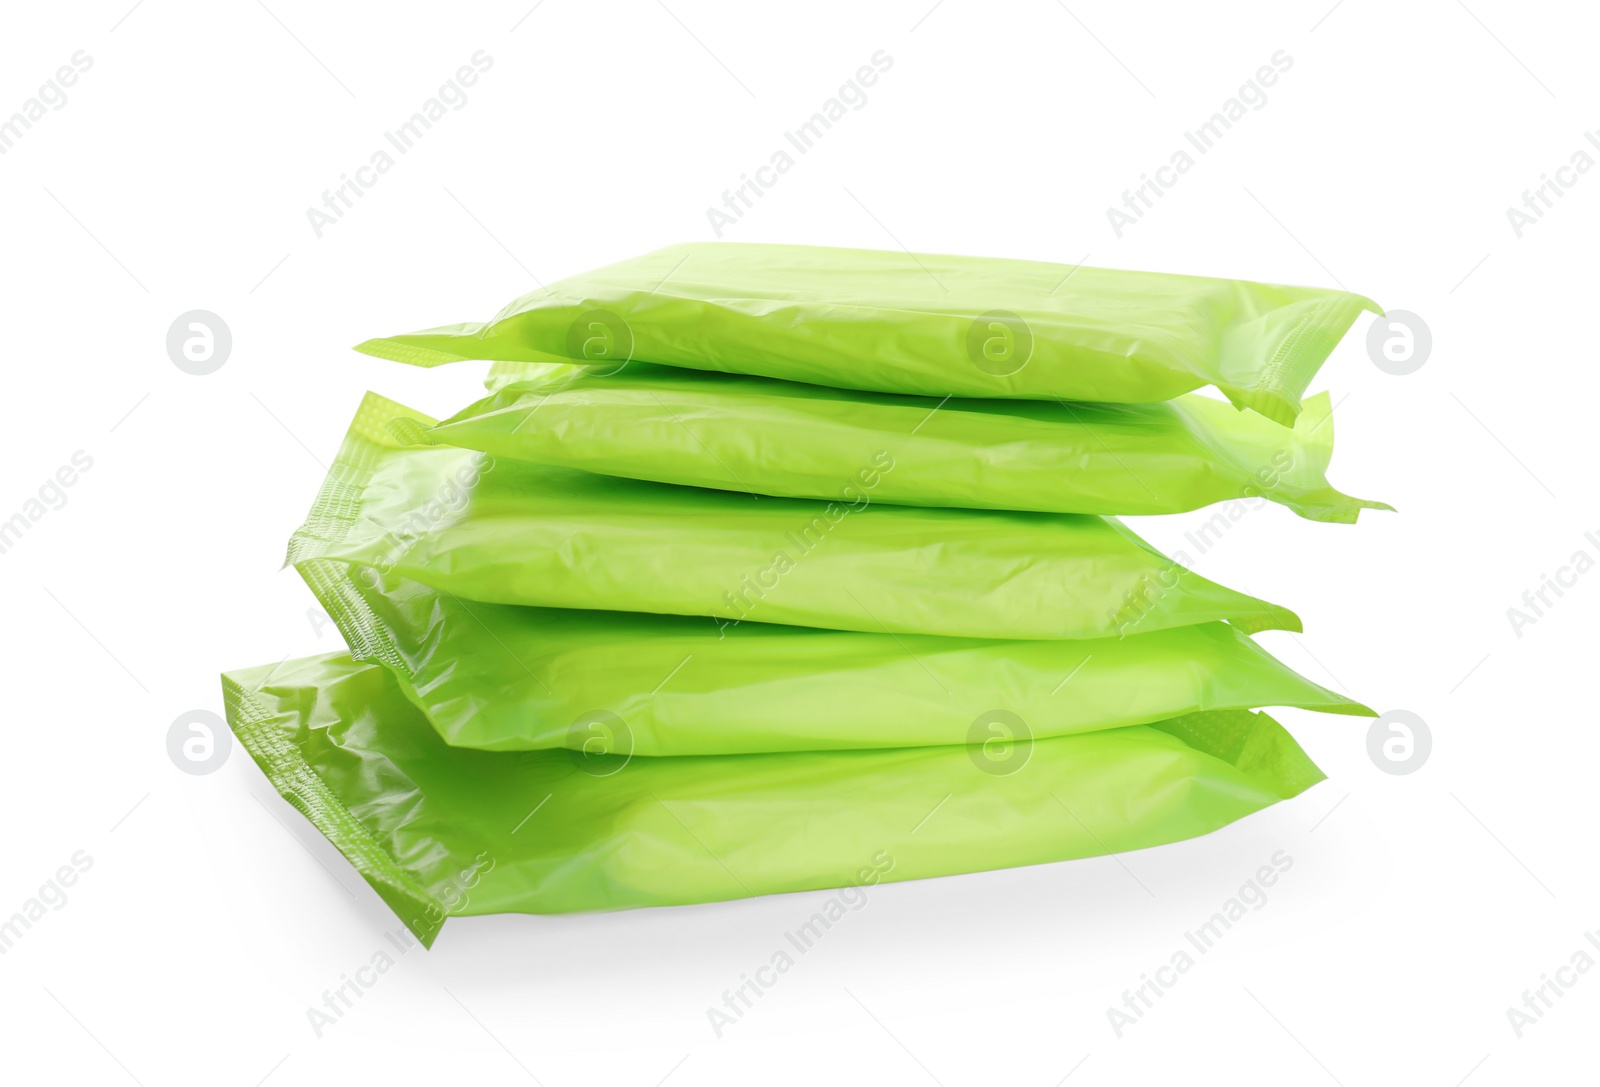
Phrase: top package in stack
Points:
(771, 568)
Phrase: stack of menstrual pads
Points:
(772, 568)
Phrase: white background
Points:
(177, 176)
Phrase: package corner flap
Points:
(427, 348)
(1266, 363)
(380, 427)
(1283, 464)
(256, 717)
(441, 832)
(892, 322)
(1309, 492)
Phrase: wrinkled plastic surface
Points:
(440, 831)
(933, 325)
(805, 441)
(506, 678)
(511, 532)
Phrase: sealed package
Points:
(806, 441)
(931, 325)
(442, 831)
(505, 677)
(513, 532)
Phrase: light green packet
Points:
(926, 324)
(511, 532)
(441, 831)
(504, 677)
(805, 441)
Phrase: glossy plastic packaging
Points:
(785, 438)
(511, 532)
(442, 831)
(900, 322)
(506, 678)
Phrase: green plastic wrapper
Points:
(505, 678)
(442, 831)
(513, 532)
(902, 322)
(805, 441)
